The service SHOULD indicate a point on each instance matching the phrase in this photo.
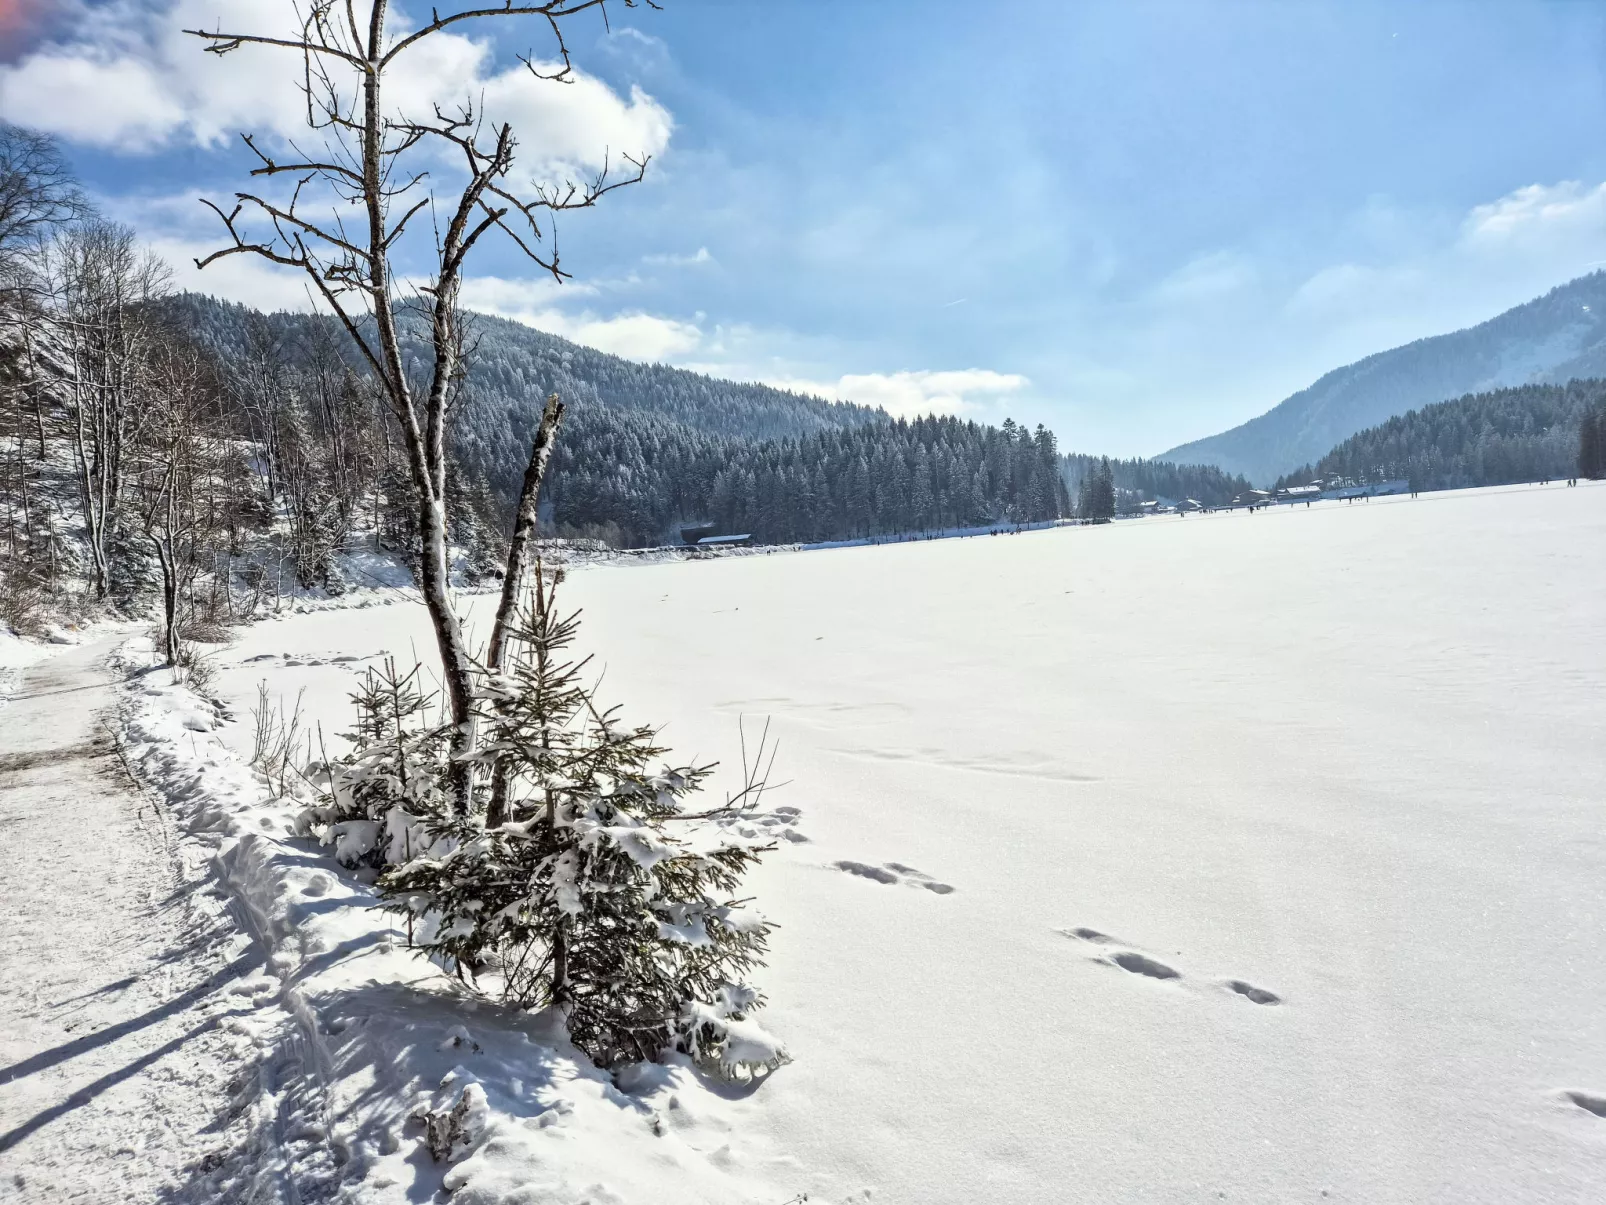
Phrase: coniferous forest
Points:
(1530, 433)
(649, 448)
(1592, 441)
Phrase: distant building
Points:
(724, 541)
(1251, 499)
(1367, 489)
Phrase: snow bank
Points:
(411, 1085)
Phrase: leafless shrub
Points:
(276, 739)
(205, 631)
(21, 605)
(193, 668)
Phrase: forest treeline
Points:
(647, 448)
(1131, 482)
(1505, 436)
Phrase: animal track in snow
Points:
(1250, 992)
(819, 715)
(1142, 964)
(1024, 766)
(1092, 935)
(302, 659)
(1127, 960)
(777, 825)
(1588, 1103)
(894, 872)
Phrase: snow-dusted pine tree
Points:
(601, 895)
(378, 798)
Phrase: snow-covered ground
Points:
(120, 1060)
(1240, 857)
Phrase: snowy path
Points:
(115, 963)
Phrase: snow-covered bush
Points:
(601, 894)
(377, 798)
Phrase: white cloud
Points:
(637, 336)
(910, 394)
(634, 335)
(1206, 276)
(1538, 214)
(669, 260)
(128, 78)
(246, 279)
(1344, 284)
(1499, 254)
(724, 351)
(180, 230)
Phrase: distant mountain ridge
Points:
(1551, 339)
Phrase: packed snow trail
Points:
(116, 960)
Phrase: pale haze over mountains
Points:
(1554, 338)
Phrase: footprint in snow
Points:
(1250, 992)
(1092, 935)
(1588, 1103)
(779, 824)
(1142, 964)
(894, 872)
(1127, 960)
(298, 660)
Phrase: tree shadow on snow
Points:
(388, 1047)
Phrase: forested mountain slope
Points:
(1529, 433)
(1555, 338)
(646, 448)
(516, 366)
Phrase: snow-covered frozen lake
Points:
(1245, 857)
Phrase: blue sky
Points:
(1139, 223)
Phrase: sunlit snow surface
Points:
(1244, 857)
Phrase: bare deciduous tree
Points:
(38, 193)
(101, 286)
(179, 457)
(38, 197)
(368, 159)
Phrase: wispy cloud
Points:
(674, 260)
(634, 334)
(1501, 253)
(910, 394)
(1208, 276)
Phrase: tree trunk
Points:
(164, 555)
(456, 667)
(524, 524)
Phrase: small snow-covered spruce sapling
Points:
(601, 894)
(377, 799)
